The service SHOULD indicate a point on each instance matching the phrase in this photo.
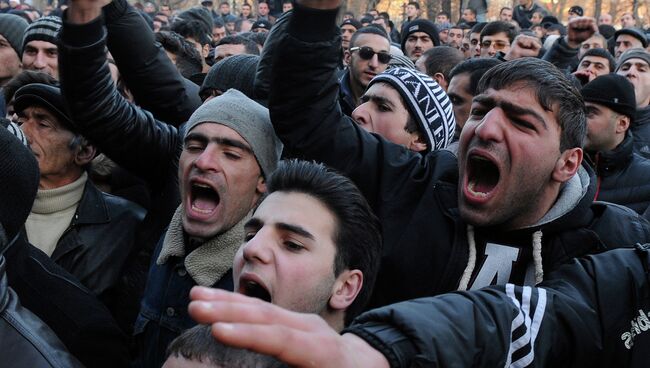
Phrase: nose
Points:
(40, 61)
(362, 116)
(209, 159)
(490, 128)
(374, 61)
(257, 249)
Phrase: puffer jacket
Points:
(641, 130)
(623, 177)
(592, 312)
(426, 247)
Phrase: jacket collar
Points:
(92, 208)
(609, 162)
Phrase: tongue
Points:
(483, 186)
(204, 203)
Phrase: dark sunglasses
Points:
(367, 53)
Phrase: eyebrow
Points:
(377, 99)
(509, 107)
(256, 223)
(218, 140)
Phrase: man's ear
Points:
(346, 57)
(567, 165)
(85, 153)
(346, 288)
(438, 77)
(205, 50)
(417, 143)
(622, 124)
(261, 185)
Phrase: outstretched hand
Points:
(301, 340)
(84, 11)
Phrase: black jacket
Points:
(562, 56)
(623, 177)
(523, 15)
(593, 312)
(641, 130)
(83, 324)
(25, 341)
(98, 241)
(415, 196)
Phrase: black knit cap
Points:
(264, 24)
(577, 9)
(48, 97)
(634, 32)
(18, 183)
(352, 22)
(43, 29)
(422, 25)
(613, 91)
(237, 71)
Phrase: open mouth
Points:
(255, 290)
(204, 198)
(483, 176)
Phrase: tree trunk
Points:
(597, 7)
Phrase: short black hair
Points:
(552, 89)
(603, 53)
(249, 45)
(478, 27)
(198, 344)
(357, 236)
(192, 29)
(188, 59)
(442, 59)
(472, 10)
(446, 14)
(476, 68)
(504, 8)
(493, 28)
(369, 29)
(415, 4)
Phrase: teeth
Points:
(481, 158)
(201, 185)
(470, 187)
(199, 210)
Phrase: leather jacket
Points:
(25, 341)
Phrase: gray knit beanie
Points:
(12, 27)
(43, 29)
(237, 71)
(633, 54)
(248, 118)
(427, 103)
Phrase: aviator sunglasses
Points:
(367, 53)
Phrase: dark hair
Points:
(493, 28)
(385, 15)
(415, 4)
(349, 13)
(552, 88)
(476, 68)
(478, 27)
(192, 29)
(188, 59)
(369, 29)
(446, 14)
(603, 53)
(442, 59)
(357, 235)
(217, 24)
(24, 78)
(198, 344)
(472, 10)
(504, 8)
(249, 45)
(259, 38)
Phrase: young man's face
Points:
(218, 33)
(411, 11)
(382, 111)
(361, 70)
(475, 42)
(605, 19)
(50, 142)
(468, 16)
(460, 97)
(593, 42)
(455, 38)
(441, 18)
(220, 180)
(601, 128)
(627, 21)
(506, 15)
(492, 44)
(287, 257)
(416, 44)
(637, 71)
(286, 7)
(347, 30)
(246, 10)
(224, 9)
(9, 61)
(263, 9)
(625, 42)
(594, 65)
(508, 156)
(41, 56)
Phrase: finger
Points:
(295, 347)
(256, 313)
(211, 294)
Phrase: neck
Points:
(334, 319)
(57, 181)
(356, 88)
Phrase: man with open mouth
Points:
(516, 204)
(311, 246)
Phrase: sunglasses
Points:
(367, 53)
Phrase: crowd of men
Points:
(285, 183)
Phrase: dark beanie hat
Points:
(613, 91)
(606, 30)
(46, 96)
(199, 14)
(12, 27)
(421, 25)
(18, 183)
(43, 29)
(352, 22)
(633, 54)
(237, 71)
(264, 24)
(577, 9)
(634, 32)
(427, 103)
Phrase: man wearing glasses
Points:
(496, 37)
(367, 56)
